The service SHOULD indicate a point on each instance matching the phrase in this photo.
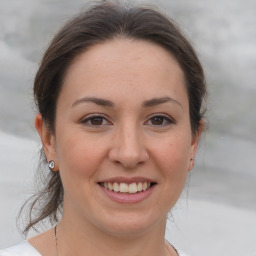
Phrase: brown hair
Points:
(103, 21)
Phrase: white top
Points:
(26, 249)
(22, 249)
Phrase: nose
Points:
(128, 148)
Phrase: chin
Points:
(133, 224)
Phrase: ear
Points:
(194, 144)
(47, 138)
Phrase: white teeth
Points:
(127, 188)
(110, 186)
(133, 188)
(139, 186)
(116, 187)
(144, 186)
(124, 188)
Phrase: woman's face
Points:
(123, 140)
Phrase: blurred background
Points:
(216, 215)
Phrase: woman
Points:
(120, 94)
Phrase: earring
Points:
(51, 165)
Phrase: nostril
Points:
(128, 154)
(127, 161)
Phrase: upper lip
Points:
(127, 180)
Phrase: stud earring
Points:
(51, 165)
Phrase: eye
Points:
(159, 120)
(95, 120)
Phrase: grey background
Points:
(219, 206)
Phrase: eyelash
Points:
(90, 118)
(166, 120)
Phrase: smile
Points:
(131, 188)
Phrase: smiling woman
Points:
(120, 95)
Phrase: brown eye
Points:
(96, 120)
(157, 120)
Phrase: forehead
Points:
(133, 67)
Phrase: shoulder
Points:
(22, 249)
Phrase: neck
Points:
(76, 237)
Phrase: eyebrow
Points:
(98, 101)
(161, 100)
(108, 103)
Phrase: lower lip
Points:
(126, 198)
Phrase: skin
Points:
(126, 140)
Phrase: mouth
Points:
(127, 188)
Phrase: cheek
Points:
(174, 152)
(172, 158)
(79, 155)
